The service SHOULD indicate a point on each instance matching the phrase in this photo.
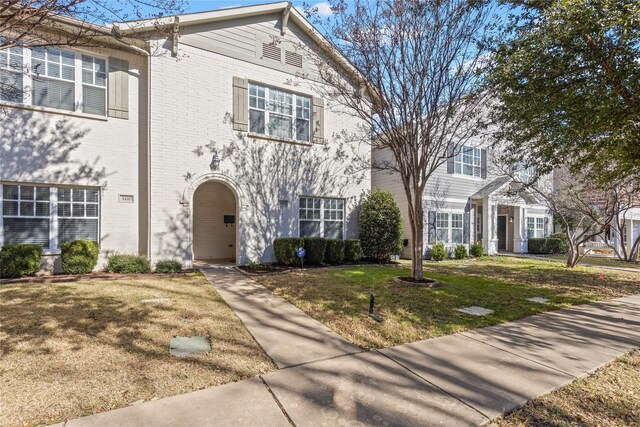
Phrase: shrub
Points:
(477, 249)
(316, 247)
(255, 265)
(129, 264)
(335, 251)
(79, 256)
(548, 245)
(438, 252)
(19, 260)
(352, 250)
(461, 252)
(563, 245)
(285, 250)
(380, 226)
(168, 266)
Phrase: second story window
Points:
(279, 113)
(54, 78)
(469, 162)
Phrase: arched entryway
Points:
(214, 222)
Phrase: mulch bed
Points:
(280, 269)
(427, 283)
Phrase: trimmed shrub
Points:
(129, 264)
(19, 260)
(316, 247)
(285, 250)
(352, 250)
(548, 245)
(461, 252)
(438, 252)
(563, 245)
(334, 253)
(380, 226)
(477, 249)
(168, 266)
(79, 256)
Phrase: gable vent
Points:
(271, 51)
(293, 59)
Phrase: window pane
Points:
(302, 130)
(26, 230)
(309, 229)
(27, 209)
(26, 192)
(256, 121)
(10, 192)
(42, 193)
(77, 210)
(442, 235)
(456, 235)
(10, 208)
(280, 126)
(77, 229)
(68, 58)
(333, 229)
(54, 93)
(92, 196)
(42, 209)
(92, 210)
(12, 86)
(64, 209)
(94, 100)
(78, 195)
(87, 76)
(64, 194)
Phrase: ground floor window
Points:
(449, 227)
(321, 217)
(48, 216)
(535, 227)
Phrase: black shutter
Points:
(431, 227)
(466, 225)
(483, 158)
(450, 160)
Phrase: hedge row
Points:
(78, 257)
(548, 245)
(318, 250)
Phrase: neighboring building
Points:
(466, 200)
(209, 147)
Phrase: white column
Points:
(518, 229)
(485, 224)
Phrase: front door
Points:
(502, 233)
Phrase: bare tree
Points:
(625, 197)
(419, 63)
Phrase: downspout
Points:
(149, 153)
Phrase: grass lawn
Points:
(607, 262)
(72, 349)
(608, 397)
(339, 297)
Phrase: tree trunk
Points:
(417, 231)
(572, 260)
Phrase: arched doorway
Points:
(214, 222)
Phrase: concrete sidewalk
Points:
(462, 379)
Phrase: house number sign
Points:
(125, 198)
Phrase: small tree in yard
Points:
(418, 63)
(380, 226)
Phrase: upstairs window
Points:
(278, 113)
(469, 162)
(54, 78)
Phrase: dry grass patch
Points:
(339, 297)
(72, 349)
(608, 397)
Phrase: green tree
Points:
(380, 226)
(567, 83)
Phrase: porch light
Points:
(510, 220)
(215, 162)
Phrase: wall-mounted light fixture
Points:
(215, 162)
(510, 220)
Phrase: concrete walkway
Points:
(462, 379)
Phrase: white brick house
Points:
(209, 147)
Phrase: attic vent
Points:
(271, 51)
(293, 59)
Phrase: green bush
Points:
(477, 249)
(315, 247)
(335, 251)
(380, 226)
(438, 252)
(461, 252)
(168, 266)
(548, 245)
(19, 260)
(79, 256)
(285, 250)
(563, 245)
(352, 250)
(129, 264)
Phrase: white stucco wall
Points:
(191, 104)
(50, 147)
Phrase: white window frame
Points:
(537, 232)
(295, 97)
(449, 228)
(323, 211)
(28, 76)
(460, 164)
(54, 244)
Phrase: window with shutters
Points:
(321, 217)
(469, 162)
(54, 78)
(278, 113)
(32, 214)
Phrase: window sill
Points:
(469, 177)
(271, 138)
(53, 111)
